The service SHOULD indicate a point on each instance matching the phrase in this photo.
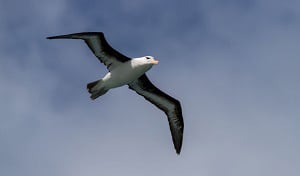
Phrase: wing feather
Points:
(99, 46)
(166, 103)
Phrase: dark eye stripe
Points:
(148, 57)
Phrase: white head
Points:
(144, 63)
(151, 60)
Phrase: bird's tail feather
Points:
(98, 94)
(96, 89)
(90, 85)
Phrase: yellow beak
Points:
(154, 62)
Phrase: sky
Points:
(234, 66)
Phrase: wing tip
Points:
(79, 35)
(59, 37)
(178, 149)
(177, 140)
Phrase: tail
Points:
(96, 89)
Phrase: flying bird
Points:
(123, 70)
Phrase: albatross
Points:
(123, 70)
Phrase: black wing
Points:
(100, 47)
(168, 104)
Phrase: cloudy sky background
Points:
(234, 65)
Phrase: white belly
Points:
(124, 74)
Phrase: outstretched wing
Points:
(100, 47)
(166, 103)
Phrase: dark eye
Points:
(148, 57)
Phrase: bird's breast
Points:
(125, 74)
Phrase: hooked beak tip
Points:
(155, 62)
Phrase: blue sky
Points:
(234, 65)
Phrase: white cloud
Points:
(235, 73)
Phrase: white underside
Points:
(124, 74)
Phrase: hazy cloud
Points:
(233, 65)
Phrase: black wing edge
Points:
(106, 46)
(177, 138)
(76, 35)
